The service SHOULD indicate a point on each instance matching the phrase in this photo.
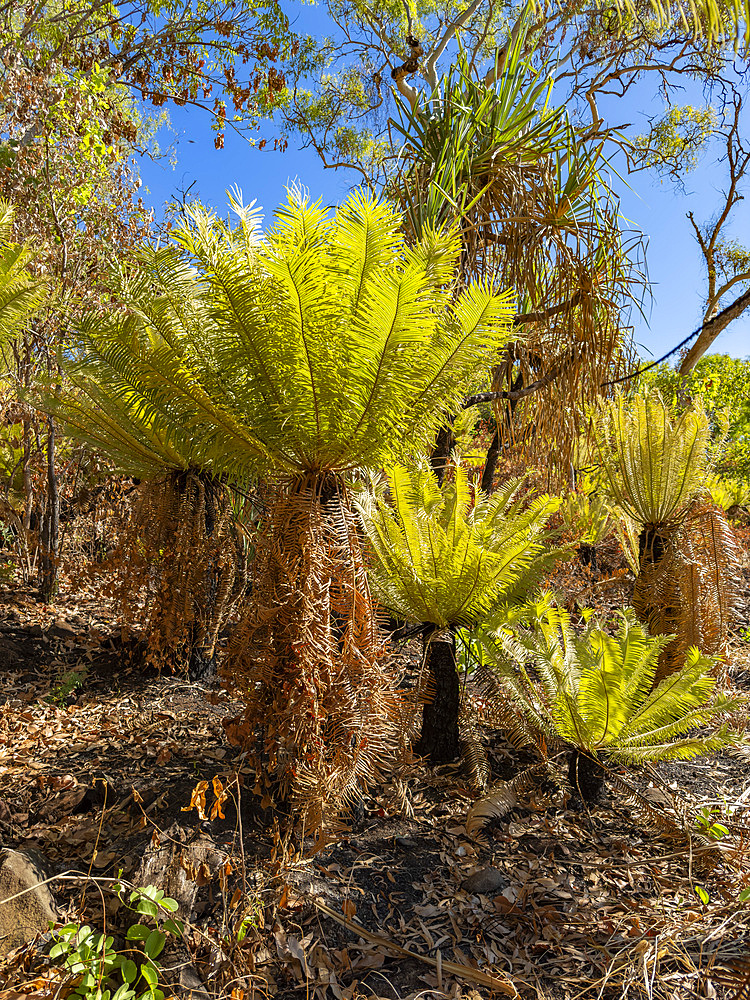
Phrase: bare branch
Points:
(430, 73)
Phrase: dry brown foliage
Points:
(687, 584)
(308, 657)
(180, 568)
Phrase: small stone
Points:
(487, 881)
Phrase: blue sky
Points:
(654, 206)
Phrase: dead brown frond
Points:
(309, 659)
(180, 566)
(503, 797)
(651, 816)
(687, 585)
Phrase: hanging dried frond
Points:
(687, 584)
(536, 215)
(309, 659)
(181, 568)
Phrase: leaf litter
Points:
(98, 760)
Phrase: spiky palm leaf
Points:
(447, 555)
(656, 467)
(595, 692)
(20, 294)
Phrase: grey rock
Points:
(23, 917)
(487, 881)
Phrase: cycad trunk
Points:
(587, 775)
(686, 585)
(309, 660)
(439, 740)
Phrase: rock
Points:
(179, 867)
(487, 881)
(22, 918)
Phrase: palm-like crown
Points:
(447, 555)
(655, 464)
(319, 346)
(20, 295)
(594, 690)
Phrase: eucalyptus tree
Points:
(319, 348)
(430, 93)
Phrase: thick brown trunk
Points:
(439, 738)
(442, 451)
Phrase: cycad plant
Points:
(143, 394)
(303, 353)
(20, 294)
(656, 469)
(445, 556)
(591, 695)
(588, 516)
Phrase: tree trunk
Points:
(442, 451)
(51, 526)
(202, 662)
(587, 556)
(490, 463)
(438, 741)
(586, 775)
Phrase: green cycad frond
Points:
(338, 341)
(321, 346)
(20, 294)
(594, 690)
(654, 463)
(442, 558)
(145, 392)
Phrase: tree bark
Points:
(51, 526)
(438, 741)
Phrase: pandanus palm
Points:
(445, 556)
(531, 197)
(324, 345)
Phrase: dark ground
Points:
(99, 759)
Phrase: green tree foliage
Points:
(592, 694)
(721, 385)
(351, 72)
(202, 53)
(448, 555)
